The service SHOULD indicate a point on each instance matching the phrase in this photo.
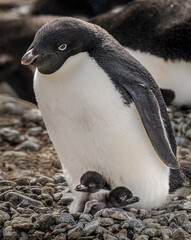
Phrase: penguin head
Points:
(121, 197)
(58, 40)
(91, 182)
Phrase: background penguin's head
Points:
(121, 197)
(57, 40)
(91, 182)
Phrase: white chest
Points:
(170, 75)
(92, 129)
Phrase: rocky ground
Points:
(34, 196)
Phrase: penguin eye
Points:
(62, 47)
(91, 185)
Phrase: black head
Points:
(91, 182)
(121, 197)
(57, 40)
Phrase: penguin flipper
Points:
(152, 120)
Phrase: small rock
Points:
(10, 234)
(66, 218)
(22, 181)
(5, 216)
(142, 237)
(14, 154)
(39, 235)
(61, 236)
(107, 236)
(47, 198)
(57, 196)
(28, 145)
(180, 234)
(67, 198)
(48, 190)
(33, 115)
(45, 221)
(183, 142)
(22, 223)
(59, 178)
(10, 135)
(90, 227)
(106, 222)
(35, 131)
(87, 217)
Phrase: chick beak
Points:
(132, 200)
(28, 58)
(81, 188)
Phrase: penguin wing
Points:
(150, 113)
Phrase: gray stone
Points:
(47, 198)
(45, 221)
(67, 198)
(106, 222)
(107, 236)
(10, 234)
(39, 235)
(61, 236)
(142, 237)
(5, 216)
(59, 178)
(90, 227)
(183, 142)
(10, 135)
(35, 131)
(33, 115)
(28, 145)
(180, 234)
(14, 154)
(22, 223)
(87, 217)
(57, 196)
(66, 218)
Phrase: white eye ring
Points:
(62, 47)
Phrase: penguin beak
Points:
(81, 188)
(28, 58)
(132, 200)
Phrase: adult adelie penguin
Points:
(102, 109)
(157, 33)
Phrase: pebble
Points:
(90, 227)
(59, 178)
(106, 222)
(180, 234)
(5, 216)
(66, 218)
(28, 145)
(9, 234)
(35, 131)
(45, 221)
(33, 115)
(14, 154)
(22, 223)
(183, 142)
(67, 198)
(10, 135)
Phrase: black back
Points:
(160, 27)
(72, 7)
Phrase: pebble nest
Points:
(34, 196)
